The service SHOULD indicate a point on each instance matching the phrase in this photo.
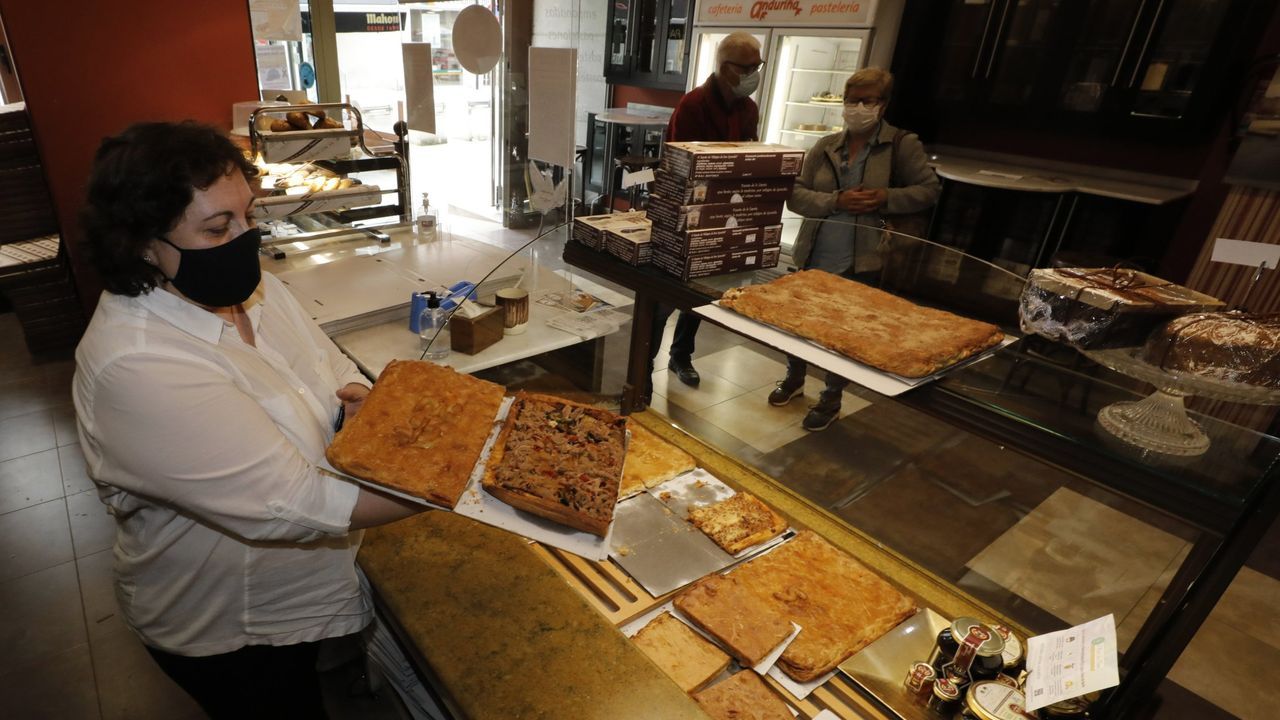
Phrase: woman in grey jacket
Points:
(853, 183)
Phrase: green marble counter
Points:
(503, 634)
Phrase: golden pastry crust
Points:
(738, 523)
(742, 697)
(684, 655)
(840, 605)
(559, 460)
(863, 323)
(749, 627)
(651, 461)
(420, 431)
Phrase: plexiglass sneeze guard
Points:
(1045, 540)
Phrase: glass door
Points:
(1027, 39)
(969, 25)
(617, 62)
(1098, 53)
(675, 54)
(806, 99)
(1172, 56)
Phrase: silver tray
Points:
(881, 667)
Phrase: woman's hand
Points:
(352, 396)
(861, 201)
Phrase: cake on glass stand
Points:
(1159, 422)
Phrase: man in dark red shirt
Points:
(721, 109)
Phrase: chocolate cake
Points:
(1231, 346)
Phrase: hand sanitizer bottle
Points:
(426, 220)
(433, 328)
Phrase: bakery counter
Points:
(501, 634)
(990, 485)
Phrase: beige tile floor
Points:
(734, 392)
(67, 653)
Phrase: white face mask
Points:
(747, 83)
(860, 118)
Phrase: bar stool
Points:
(631, 164)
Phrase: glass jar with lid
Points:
(983, 653)
(991, 700)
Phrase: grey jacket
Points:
(814, 195)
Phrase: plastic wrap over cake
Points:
(1094, 308)
(1231, 346)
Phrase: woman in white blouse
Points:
(205, 398)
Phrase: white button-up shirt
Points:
(205, 450)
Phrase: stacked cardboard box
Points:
(590, 230)
(630, 243)
(717, 206)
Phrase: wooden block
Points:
(471, 335)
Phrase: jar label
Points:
(1000, 701)
(968, 649)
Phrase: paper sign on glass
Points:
(1070, 663)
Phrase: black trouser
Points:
(682, 342)
(256, 681)
(796, 368)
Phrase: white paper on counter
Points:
(585, 326)
(798, 690)
(826, 715)
(868, 377)
(1073, 662)
(478, 504)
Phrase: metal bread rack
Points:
(328, 215)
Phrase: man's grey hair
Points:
(734, 41)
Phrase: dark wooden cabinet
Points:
(1023, 230)
(648, 43)
(1154, 68)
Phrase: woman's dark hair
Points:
(142, 182)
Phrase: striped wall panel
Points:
(1248, 214)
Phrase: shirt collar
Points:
(195, 320)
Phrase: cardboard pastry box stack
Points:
(717, 206)
(592, 230)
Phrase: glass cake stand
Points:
(1159, 422)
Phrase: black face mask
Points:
(220, 276)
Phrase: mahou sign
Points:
(786, 13)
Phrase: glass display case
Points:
(993, 480)
(806, 98)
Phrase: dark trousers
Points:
(682, 343)
(796, 368)
(256, 681)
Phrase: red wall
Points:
(623, 94)
(89, 70)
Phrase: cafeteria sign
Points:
(787, 13)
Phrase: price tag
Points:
(637, 178)
(1072, 662)
(1244, 252)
